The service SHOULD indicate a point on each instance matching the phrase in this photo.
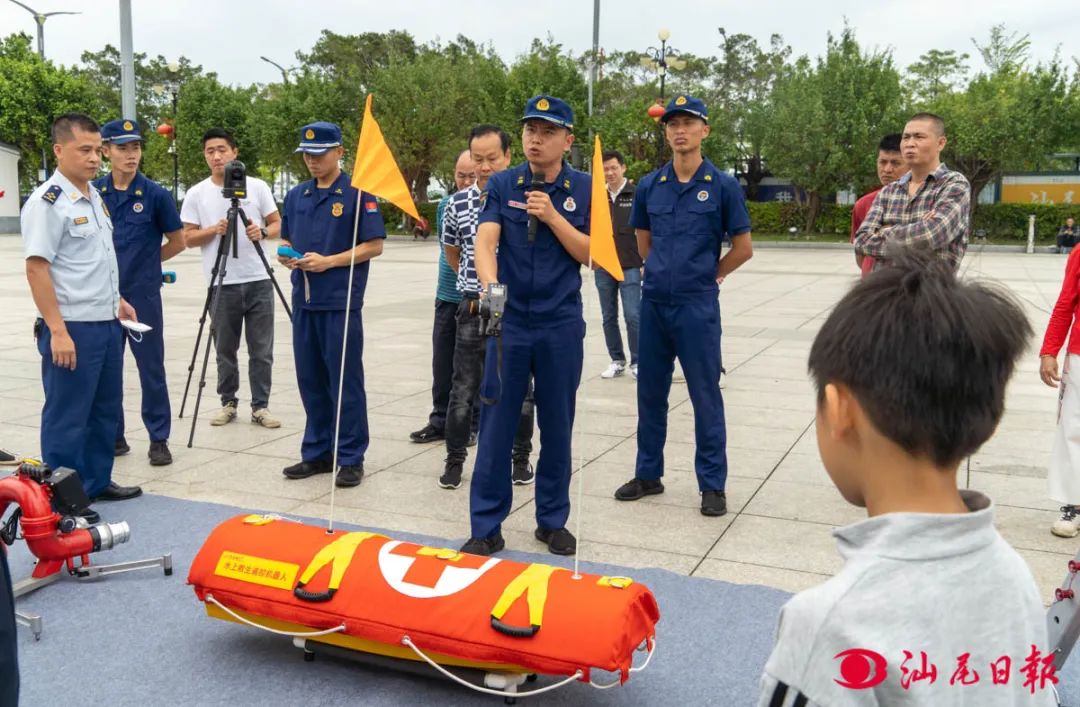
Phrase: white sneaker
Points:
(263, 417)
(225, 416)
(616, 369)
(1068, 526)
(633, 370)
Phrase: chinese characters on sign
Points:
(861, 668)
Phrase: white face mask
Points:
(135, 329)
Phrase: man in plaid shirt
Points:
(928, 207)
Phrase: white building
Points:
(9, 188)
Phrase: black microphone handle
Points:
(534, 223)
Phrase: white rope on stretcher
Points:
(406, 641)
(638, 669)
(296, 634)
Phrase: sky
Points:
(230, 37)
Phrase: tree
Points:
(1007, 120)
(1004, 52)
(745, 76)
(32, 93)
(546, 68)
(205, 102)
(828, 119)
(936, 74)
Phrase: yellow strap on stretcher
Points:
(340, 554)
(532, 581)
(616, 582)
(441, 553)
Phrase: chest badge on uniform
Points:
(137, 207)
(703, 195)
(337, 209)
(569, 204)
(81, 220)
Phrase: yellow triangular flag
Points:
(375, 171)
(601, 234)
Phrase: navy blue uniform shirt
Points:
(321, 221)
(141, 215)
(688, 222)
(543, 280)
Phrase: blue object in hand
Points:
(287, 252)
(168, 276)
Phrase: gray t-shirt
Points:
(943, 585)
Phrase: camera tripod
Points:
(227, 243)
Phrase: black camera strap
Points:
(498, 373)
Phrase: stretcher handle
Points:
(301, 593)
(515, 631)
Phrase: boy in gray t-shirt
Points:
(932, 606)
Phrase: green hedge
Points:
(1000, 221)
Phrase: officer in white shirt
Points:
(73, 276)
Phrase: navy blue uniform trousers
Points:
(553, 356)
(690, 331)
(149, 355)
(317, 337)
(82, 406)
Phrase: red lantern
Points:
(165, 129)
(655, 111)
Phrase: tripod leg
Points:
(198, 340)
(266, 264)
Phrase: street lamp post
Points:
(39, 19)
(171, 86)
(282, 69)
(659, 60)
(286, 177)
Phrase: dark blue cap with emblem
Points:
(551, 109)
(118, 132)
(317, 138)
(685, 104)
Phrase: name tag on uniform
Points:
(517, 204)
(81, 220)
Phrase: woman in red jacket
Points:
(1064, 473)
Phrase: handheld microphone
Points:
(534, 223)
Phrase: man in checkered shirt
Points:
(489, 146)
(928, 207)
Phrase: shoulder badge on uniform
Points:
(569, 205)
(337, 209)
(138, 192)
(521, 180)
(703, 195)
(371, 206)
(138, 207)
(51, 193)
(80, 220)
(708, 177)
(566, 184)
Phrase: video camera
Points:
(235, 180)
(491, 309)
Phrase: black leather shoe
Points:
(349, 475)
(121, 448)
(634, 489)
(159, 453)
(484, 546)
(115, 492)
(427, 434)
(713, 503)
(559, 541)
(306, 469)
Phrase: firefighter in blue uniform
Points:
(542, 330)
(681, 214)
(318, 221)
(143, 213)
(73, 277)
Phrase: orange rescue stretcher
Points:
(366, 592)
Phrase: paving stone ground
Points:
(782, 505)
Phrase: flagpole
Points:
(341, 375)
(580, 456)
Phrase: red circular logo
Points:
(860, 668)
